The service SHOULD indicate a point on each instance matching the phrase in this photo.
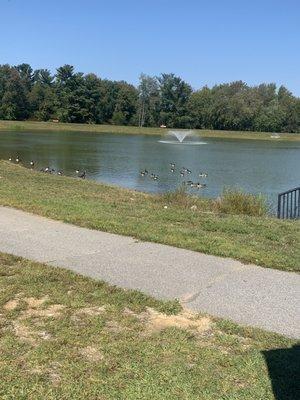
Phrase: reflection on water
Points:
(267, 167)
(184, 143)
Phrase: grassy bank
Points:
(53, 126)
(64, 336)
(176, 220)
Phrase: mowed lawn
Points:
(64, 336)
(134, 130)
(181, 221)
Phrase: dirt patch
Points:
(91, 354)
(52, 311)
(24, 333)
(91, 311)
(44, 335)
(33, 302)
(11, 305)
(155, 321)
(114, 327)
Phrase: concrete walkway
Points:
(223, 287)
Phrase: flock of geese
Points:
(49, 170)
(183, 173)
(82, 174)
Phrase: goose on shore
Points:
(83, 175)
(18, 159)
(10, 159)
(32, 163)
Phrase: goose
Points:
(59, 172)
(203, 174)
(188, 171)
(10, 159)
(77, 171)
(155, 177)
(32, 163)
(172, 169)
(181, 173)
(144, 173)
(18, 159)
(201, 185)
(172, 165)
(83, 175)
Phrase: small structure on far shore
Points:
(275, 136)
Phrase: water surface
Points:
(267, 167)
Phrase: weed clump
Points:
(240, 203)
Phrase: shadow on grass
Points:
(284, 372)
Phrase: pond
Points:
(266, 167)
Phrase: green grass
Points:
(174, 219)
(53, 126)
(64, 336)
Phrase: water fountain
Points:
(181, 137)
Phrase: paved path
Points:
(223, 287)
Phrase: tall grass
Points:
(240, 203)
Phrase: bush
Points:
(237, 202)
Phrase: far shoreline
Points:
(24, 126)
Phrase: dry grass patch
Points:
(91, 311)
(91, 354)
(11, 305)
(155, 321)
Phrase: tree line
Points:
(70, 96)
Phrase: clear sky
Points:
(203, 41)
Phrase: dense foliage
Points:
(71, 96)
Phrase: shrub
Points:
(237, 202)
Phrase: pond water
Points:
(267, 167)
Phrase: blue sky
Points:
(204, 42)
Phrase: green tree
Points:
(149, 100)
(174, 98)
(43, 101)
(13, 99)
(126, 103)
